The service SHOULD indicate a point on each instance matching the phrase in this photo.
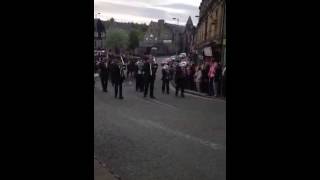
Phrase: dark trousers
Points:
(211, 92)
(148, 82)
(180, 86)
(104, 82)
(139, 83)
(217, 87)
(117, 87)
(165, 86)
(223, 87)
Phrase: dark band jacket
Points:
(155, 66)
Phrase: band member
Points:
(117, 76)
(139, 75)
(104, 74)
(180, 78)
(149, 71)
(165, 79)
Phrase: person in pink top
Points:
(211, 75)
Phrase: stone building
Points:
(166, 38)
(210, 31)
(188, 36)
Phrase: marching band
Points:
(145, 74)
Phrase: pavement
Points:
(196, 93)
(101, 172)
(160, 139)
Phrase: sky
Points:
(145, 11)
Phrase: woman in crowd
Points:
(197, 78)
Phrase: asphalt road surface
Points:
(169, 138)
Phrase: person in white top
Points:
(197, 78)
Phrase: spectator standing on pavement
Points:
(224, 78)
(149, 70)
(217, 79)
(204, 78)
(197, 78)
(104, 74)
(165, 79)
(188, 77)
(192, 72)
(211, 75)
(180, 79)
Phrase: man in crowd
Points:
(139, 75)
(117, 75)
(149, 71)
(104, 74)
(180, 78)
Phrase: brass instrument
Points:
(122, 68)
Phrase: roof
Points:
(174, 27)
(189, 22)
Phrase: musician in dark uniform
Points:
(139, 75)
(149, 72)
(165, 79)
(104, 74)
(180, 78)
(117, 75)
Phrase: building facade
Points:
(210, 31)
(188, 37)
(165, 38)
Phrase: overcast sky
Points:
(144, 11)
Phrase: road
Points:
(169, 138)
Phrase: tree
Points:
(112, 20)
(117, 38)
(133, 39)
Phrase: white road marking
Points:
(164, 104)
(151, 124)
(153, 102)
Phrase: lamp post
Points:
(96, 15)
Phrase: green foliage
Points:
(133, 39)
(117, 38)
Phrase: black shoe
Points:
(115, 97)
(182, 95)
(121, 97)
(152, 97)
(144, 95)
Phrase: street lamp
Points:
(176, 19)
(96, 15)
